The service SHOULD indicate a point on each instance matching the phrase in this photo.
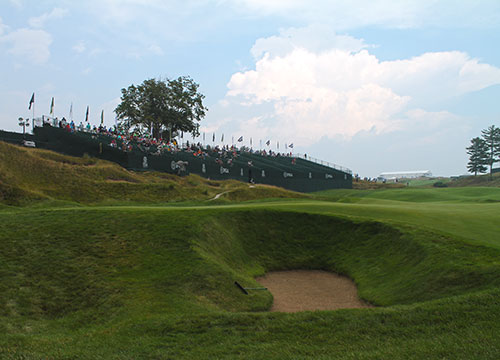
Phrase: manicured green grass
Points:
(470, 214)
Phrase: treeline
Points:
(484, 151)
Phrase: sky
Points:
(374, 86)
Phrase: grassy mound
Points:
(158, 282)
(30, 175)
(480, 180)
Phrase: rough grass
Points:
(28, 176)
(479, 180)
(368, 185)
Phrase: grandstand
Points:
(296, 173)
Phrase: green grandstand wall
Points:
(303, 175)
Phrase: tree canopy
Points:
(163, 108)
(484, 151)
(491, 137)
(478, 157)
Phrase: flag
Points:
(71, 112)
(240, 139)
(52, 107)
(102, 117)
(213, 137)
(268, 142)
(32, 101)
(87, 114)
(222, 138)
(290, 146)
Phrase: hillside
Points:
(479, 180)
(29, 176)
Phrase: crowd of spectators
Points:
(129, 141)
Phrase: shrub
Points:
(440, 184)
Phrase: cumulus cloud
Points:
(315, 38)
(39, 21)
(315, 91)
(29, 44)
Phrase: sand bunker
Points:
(302, 290)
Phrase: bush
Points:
(440, 184)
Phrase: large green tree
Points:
(162, 108)
(491, 137)
(478, 156)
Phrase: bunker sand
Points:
(307, 290)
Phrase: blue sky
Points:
(371, 85)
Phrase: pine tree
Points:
(491, 137)
(478, 156)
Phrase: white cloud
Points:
(39, 22)
(29, 44)
(315, 38)
(79, 47)
(3, 27)
(155, 49)
(387, 13)
(314, 91)
(17, 3)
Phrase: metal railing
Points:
(324, 163)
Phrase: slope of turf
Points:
(479, 180)
(470, 214)
(153, 282)
(29, 176)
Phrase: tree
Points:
(478, 157)
(491, 137)
(162, 107)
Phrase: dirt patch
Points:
(302, 290)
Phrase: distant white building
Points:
(404, 175)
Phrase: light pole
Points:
(24, 123)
